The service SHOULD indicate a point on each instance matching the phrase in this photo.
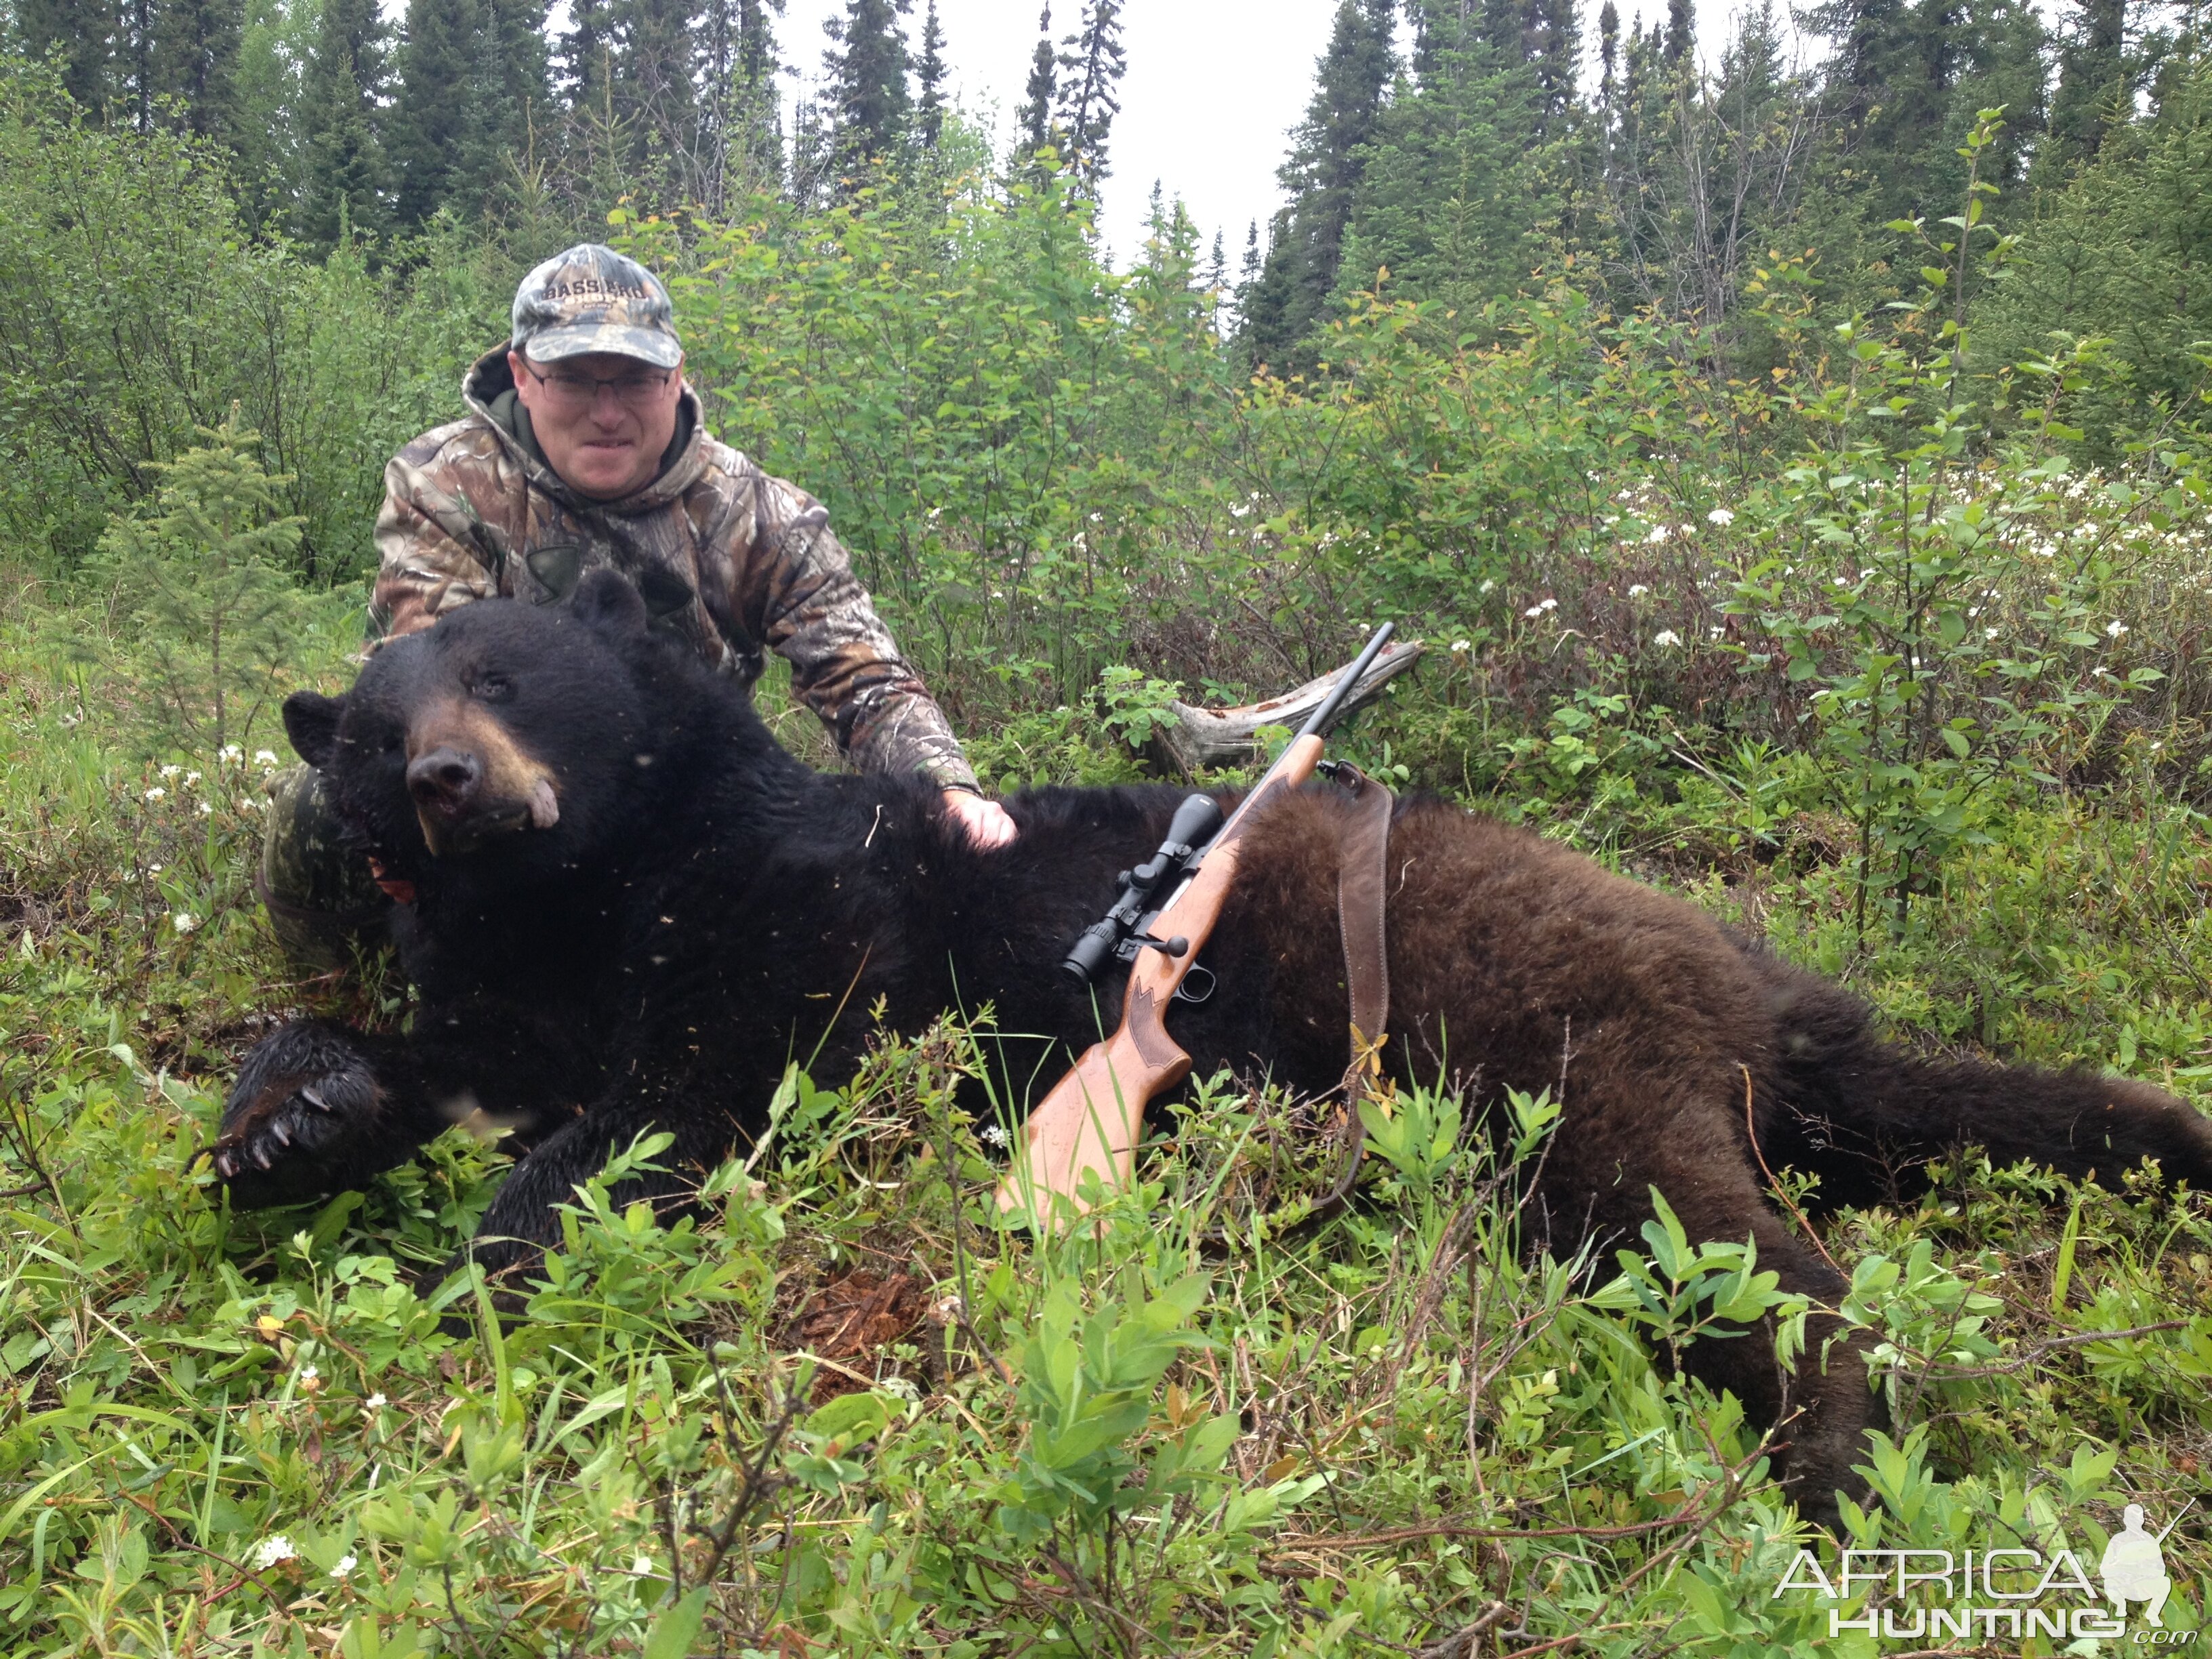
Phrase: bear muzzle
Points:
(472, 783)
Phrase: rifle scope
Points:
(1194, 824)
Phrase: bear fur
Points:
(630, 908)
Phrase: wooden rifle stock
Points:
(1094, 1117)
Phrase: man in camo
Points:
(584, 448)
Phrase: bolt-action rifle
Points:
(1091, 1120)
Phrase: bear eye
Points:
(492, 688)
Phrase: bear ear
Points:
(311, 720)
(606, 604)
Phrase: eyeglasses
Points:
(578, 391)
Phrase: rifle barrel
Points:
(1324, 716)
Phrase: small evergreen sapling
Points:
(198, 571)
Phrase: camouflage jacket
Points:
(732, 559)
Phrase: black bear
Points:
(629, 907)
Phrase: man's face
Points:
(603, 420)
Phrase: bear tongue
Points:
(545, 807)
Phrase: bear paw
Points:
(305, 1107)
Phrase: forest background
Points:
(1795, 469)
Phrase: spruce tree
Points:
(265, 138)
(81, 34)
(1460, 197)
(1323, 176)
(1552, 36)
(1042, 91)
(342, 96)
(510, 97)
(195, 47)
(429, 125)
(583, 58)
(1092, 62)
(867, 71)
(929, 79)
(656, 94)
(742, 142)
(2093, 82)
(1608, 52)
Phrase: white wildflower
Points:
(1460, 645)
(184, 921)
(1238, 511)
(642, 1566)
(994, 1134)
(230, 754)
(343, 1566)
(1659, 533)
(171, 771)
(309, 1374)
(2116, 628)
(271, 1550)
(1989, 633)
(375, 1402)
(1722, 516)
(1549, 604)
(1666, 636)
(157, 793)
(1636, 590)
(191, 780)
(206, 810)
(1689, 530)
(1715, 633)
(264, 757)
(1487, 583)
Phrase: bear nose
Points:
(444, 779)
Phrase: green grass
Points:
(268, 1433)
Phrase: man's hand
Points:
(984, 821)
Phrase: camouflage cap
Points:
(593, 299)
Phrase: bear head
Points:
(509, 740)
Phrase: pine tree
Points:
(342, 96)
(742, 145)
(1554, 40)
(510, 97)
(1459, 198)
(655, 93)
(585, 49)
(1323, 176)
(867, 69)
(471, 90)
(1608, 52)
(1042, 91)
(2093, 81)
(1092, 63)
(430, 117)
(131, 61)
(929, 79)
(273, 50)
(195, 47)
(81, 33)
(1681, 31)
(202, 567)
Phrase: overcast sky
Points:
(1213, 87)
